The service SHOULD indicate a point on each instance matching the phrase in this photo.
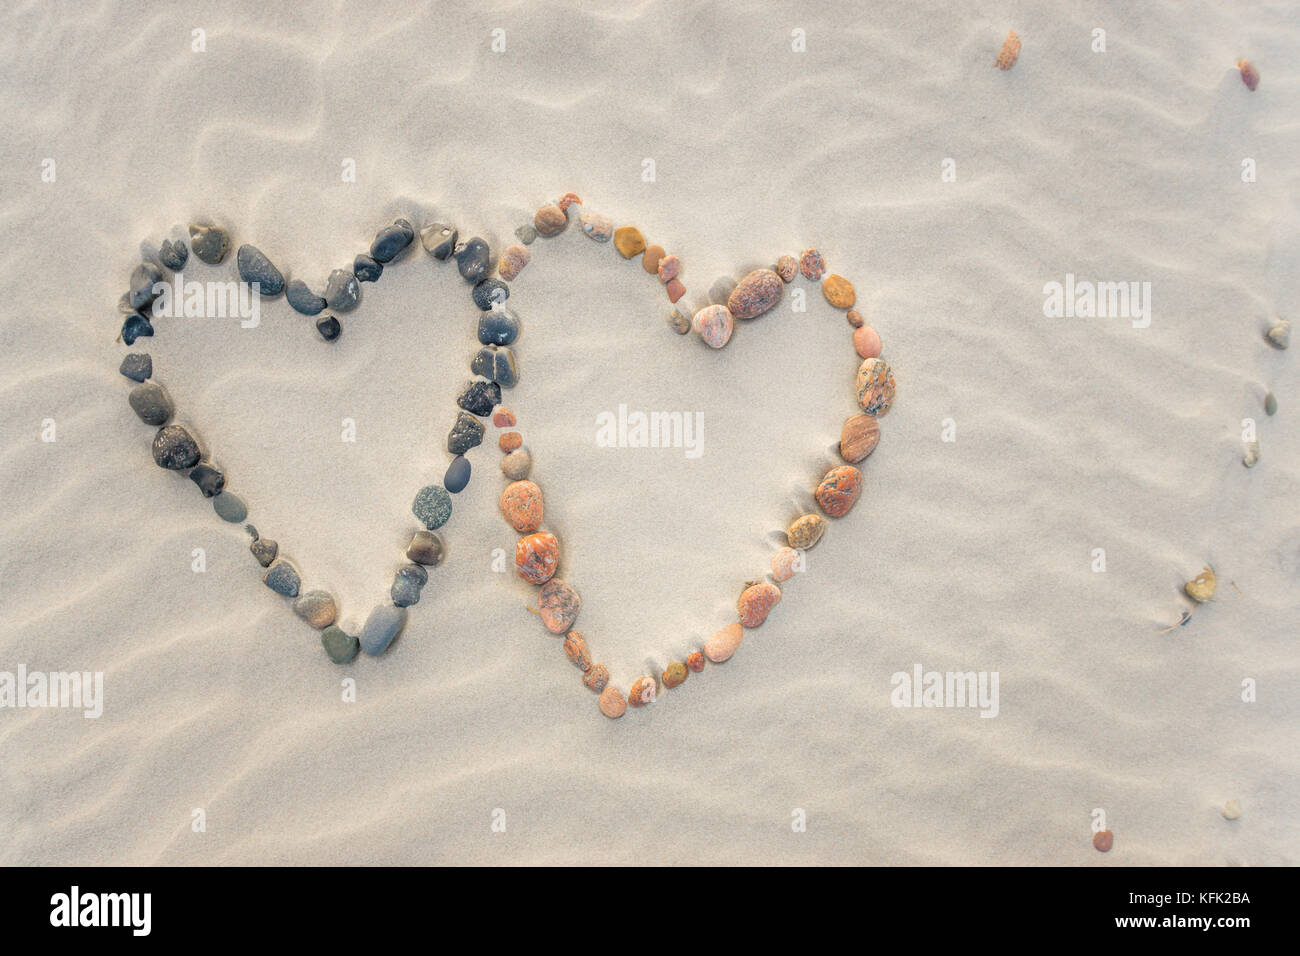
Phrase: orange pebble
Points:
(838, 291)
(503, 418)
(1010, 52)
(756, 601)
(839, 490)
(537, 556)
(695, 661)
(567, 200)
(650, 261)
(675, 289)
(642, 692)
(509, 441)
(1103, 840)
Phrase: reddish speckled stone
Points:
(509, 441)
(1103, 840)
(669, 266)
(521, 503)
(642, 692)
(787, 267)
(695, 661)
(876, 386)
(537, 556)
(854, 317)
(550, 221)
(839, 490)
(714, 325)
(612, 704)
(504, 418)
(756, 601)
(811, 265)
(756, 293)
(559, 605)
(675, 289)
(786, 563)
(575, 648)
(596, 677)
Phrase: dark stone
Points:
(254, 266)
(439, 240)
(134, 327)
(407, 584)
(467, 433)
(174, 448)
(366, 269)
(488, 291)
(265, 550)
(391, 240)
(210, 481)
(457, 476)
(496, 363)
(479, 398)
(137, 366)
(329, 328)
(151, 402)
(302, 299)
(498, 327)
(142, 283)
(174, 255)
(473, 258)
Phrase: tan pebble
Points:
(1201, 588)
(876, 386)
(756, 602)
(513, 261)
(629, 241)
(537, 556)
(575, 649)
(854, 317)
(317, 608)
(805, 531)
(838, 291)
(558, 605)
(786, 563)
(509, 441)
(612, 703)
(642, 692)
(858, 438)
(550, 221)
(650, 261)
(695, 661)
(675, 289)
(839, 490)
(675, 674)
(668, 268)
(1231, 810)
(678, 322)
(866, 341)
(521, 503)
(596, 677)
(1249, 75)
(724, 643)
(517, 464)
(503, 418)
(787, 267)
(567, 200)
(1009, 53)
(1103, 840)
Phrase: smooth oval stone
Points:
(391, 240)
(839, 291)
(496, 363)
(407, 584)
(550, 221)
(650, 261)
(473, 258)
(254, 266)
(317, 608)
(342, 291)
(724, 643)
(876, 386)
(174, 254)
(838, 491)
(597, 227)
(210, 243)
(785, 564)
(805, 531)
(432, 506)
(628, 241)
(302, 299)
(210, 481)
(558, 605)
(755, 602)
(866, 341)
(595, 677)
(1270, 404)
(675, 674)
(282, 578)
(479, 398)
(135, 326)
(230, 507)
(695, 661)
(498, 327)
(425, 548)
(151, 402)
(526, 234)
(457, 476)
(855, 320)
(137, 366)
(339, 645)
(366, 269)
(143, 279)
(329, 328)
(714, 325)
(575, 649)
(513, 260)
(787, 267)
(517, 464)
(756, 293)
(642, 692)
(521, 504)
(503, 418)
(174, 448)
(537, 556)
(811, 265)
(858, 438)
(467, 433)
(439, 240)
(678, 322)
(265, 550)
(612, 703)
(381, 628)
(489, 292)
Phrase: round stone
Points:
(391, 240)
(567, 200)
(756, 293)
(265, 550)
(487, 292)
(839, 291)
(558, 604)
(756, 601)
(339, 645)
(855, 319)
(432, 506)
(425, 548)
(254, 266)
(509, 441)
(695, 661)
(596, 677)
(839, 490)
(612, 702)
(675, 289)
(575, 649)
(329, 328)
(342, 291)
(457, 476)
(866, 341)
(282, 578)
(210, 243)
(301, 299)
(381, 628)
(714, 325)
(409, 580)
(787, 267)
(1103, 840)
(650, 261)
(521, 504)
(210, 481)
(513, 261)
(317, 608)
(642, 692)
(473, 258)
(876, 386)
(230, 507)
(597, 227)
(786, 563)
(498, 327)
(723, 644)
(151, 402)
(174, 448)
(503, 418)
(550, 221)
(858, 438)
(537, 556)
(811, 265)
(526, 234)
(669, 267)
(805, 531)
(366, 269)
(628, 241)
(517, 464)
(675, 674)
(678, 322)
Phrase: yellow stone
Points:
(839, 292)
(629, 241)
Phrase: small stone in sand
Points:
(756, 602)
(675, 674)
(669, 267)
(550, 221)
(567, 200)
(425, 548)
(642, 692)
(517, 464)
(612, 702)
(595, 677)
(439, 240)
(1231, 810)
(650, 261)
(174, 448)
(787, 267)
(151, 402)
(675, 289)
(1103, 840)
(866, 341)
(838, 291)
(473, 259)
(479, 398)
(282, 578)
(512, 262)
(811, 265)
(805, 531)
(498, 327)
(628, 241)
(858, 438)
(210, 481)
(558, 605)
(876, 386)
(596, 226)
(1270, 404)
(329, 328)
(1251, 458)
(839, 490)
(342, 291)
(537, 556)
(317, 608)
(1249, 74)
(137, 366)
(695, 661)
(786, 563)
(678, 322)
(382, 627)
(526, 234)
(1009, 53)
(756, 293)
(723, 643)
(409, 580)
(521, 504)
(1202, 587)
(1279, 336)
(254, 266)
(496, 363)
(143, 280)
(713, 324)
(301, 299)
(135, 326)
(265, 550)
(366, 269)
(575, 649)
(230, 507)
(855, 319)
(487, 292)
(503, 418)
(174, 255)
(339, 645)
(509, 441)
(391, 240)
(457, 476)
(432, 506)
(210, 243)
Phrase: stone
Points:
(339, 645)
(838, 490)
(230, 507)
(366, 269)
(1202, 587)
(1251, 458)
(329, 328)
(409, 580)
(550, 221)
(473, 259)
(457, 476)
(858, 438)
(786, 563)
(723, 643)
(537, 556)
(675, 674)
(575, 649)
(317, 608)
(509, 441)
(1007, 57)
(342, 291)
(521, 505)
(174, 254)
(210, 243)
(479, 398)
(1102, 840)
(567, 200)
(805, 531)
(467, 433)
(255, 267)
(439, 240)
(391, 240)
(876, 386)
(517, 464)
(381, 628)
(714, 325)
(503, 418)
(135, 326)
(526, 234)
(596, 677)
(756, 293)
(301, 299)
(513, 260)
(756, 602)
(143, 279)
(653, 256)
(210, 481)
(628, 241)
(866, 341)
(678, 322)
(425, 548)
(151, 402)
(1249, 73)
(787, 267)
(1270, 404)
(642, 692)
(675, 289)
(669, 267)
(695, 661)
(721, 290)
(855, 320)
(839, 291)
(558, 605)
(597, 227)
(137, 366)
(1279, 336)
(265, 550)
(432, 506)
(1231, 810)
(811, 265)
(175, 449)
(487, 292)
(612, 703)
(498, 327)
(282, 578)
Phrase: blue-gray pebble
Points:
(472, 259)
(382, 626)
(254, 266)
(137, 366)
(230, 507)
(302, 299)
(210, 243)
(282, 578)
(391, 240)
(432, 506)
(457, 476)
(174, 255)
(339, 644)
(498, 327)
(151, 402)
(210, 481)
(439, 239)
(407, 583)
(489, 291)
(136, 326)
(366, 269)
(142, 283)
(342, 291)
(329, 328)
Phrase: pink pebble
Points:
(669, 266)
(867, 341)
(675, 289)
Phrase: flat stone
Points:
(866, 341)
(425, 548)
(786, 563)
(612, 703)
(512, 262)
(174, 254)
(467, 433)
(254, 266)
(391, 240)
(522, 506)
(669, 267)
(498, 327)
(876, 386)
(839, 291)
(339, 645)
(596, 677)
(301, 299)
(576, 650)
(137, 366)
(367, 269)
(675, 289)
(265, 550)
(724, 643)
(174, 448)
(407, 584)
(282, 578)
(558, 605)
(210, 481)
(526, 234)
(858, 438)
(678, 322)
(143, 279)
(135, 326)
(597, 227)
(342, 291)
(756, 602)
(473, 259)
(787, 267)
(381, 628)
(628, 241)
(805, 531)
(432, 506)
(756, 293)
(839, 490)
(230, 507)
(550, 221)
(479, 398)
(151, 402)
(210, 243)
(503, 418)
(855, 320)
(509, 441)
(439, 240)
(487, 292)
(537, 556)
(811, 265)
(517, 464)
(653, 256)
(329, 328)
(713, 324)
(317, 608)
(496, 363)
(457, 476)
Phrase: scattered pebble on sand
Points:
(174, 254)
(1249, 74)
(282, 578)
(513, 261)
(135, 326)
(558, 605)
(1279, 335)
(1103, 840)
(230, 507)
(876, 386)
(1270, 404)
(575, 649)
(811, 265)
(143, 280)
(642, 692)
(210, 481)
(839, 291)
(526, 234)
(1251, 458)
(756, 602)
(867, 342)
(612, 702)
(787, 267)
(496, 362)
(597, 227)
(839, 490)
(382, 627)
(596, 677)
(254, 266)
(509, 441)
(479, 398)
(465, 434)
(521, 505)
(473, 259)
(517, 464)
(439, 240)
(714, 325)
(567, 200)
(151, 402)
(457, 475)
(489, 292)
(329, 328)
(342, 291)
(805, 531)
(675, 674)
(499, 326)
(301, 299)
(1201, 588)
(339, 645)
(137, 366)
(317, 608)
(503, 418)
(855, 320)
(858, 438)
(668, 268)
(366, 269)
(650, 261)
(724, 642)
(1231, 810)
(432, 506)
(391, 240)
(675, 289)
(695, 661)
(1009, 53)
(785, 564)
(537, 556)
(678, 322)
(550, 221)
(408, 582)
(265, 550)
(628, 241)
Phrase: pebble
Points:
(432, 506)
(628, 241)
(143, 279)
(695, 661)
(425, 548)
(230, 507)
(1231, 810)
(1251, 458)
(339, 645)
(1102, 840)
(642, 692)
(151, 403)
(1202, 587)
(714, 325)
(1007, 57)
(839, 490)
(575, 649)
(496, 363)
(210, 481)
(513, 261)
(1279, 335)
(509, 441)
(811, 265)
(596, 677)
(786, 564)
(675, 674)
(550, 221)
(756, 602)
(342, 291)
(1249, 74)
(839, 291)
(479, 398)
(866, 341)
(723, 644)
(675, 289)
(876, 386)
(135, 326)
(668, 268)
(503, 418)
(855, 320)
(254, 266)
(174, 255)
(301, 299)
(329, 328)
(498, 327)
(457, 476)
(757, 292)
(382, 626)
(526, 234)
(137, 366)
(174, 448)
(366, 269)
(391, 240)
(521, 504)
(317, 608)
(596, 226)
(558, 605)
(567, 200)
(650, 261)
(678, 322)
(805, 531)
(282, 578)
(1270, 404)
(787, 267)
(721, 290)
(612, 703)
(486, 292)
(409, 580)
(858, 438)
(210, 243)
(473, 259)
(517, 464)
(265, 550)
(439, 240)
(537, 556)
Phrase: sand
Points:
(1071, 434)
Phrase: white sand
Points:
(1072, 434)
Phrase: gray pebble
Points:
(517, 464)
(329, 328)
(1270, 404)
(210, 481)
(526, 234)
(210, 243)
(265, 550)
(142, 283)
(425, 548)
(254, 266)
(382, 626)
(439, 240)
(391, 240)
(151, 403)
(342, 290)
(407, 583)
(317, 608)
(339, 645)
(282, 578)
(467, 433)
(498, 327)
(489, 291)
(137, 366)
(230, 507)
(175, 448)
(174, 255)
(135, 326)
(432, 506)
(457, 476)
(479, 398)
(302, 299)
(366, 269)
(473, 258)
(497, 363)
